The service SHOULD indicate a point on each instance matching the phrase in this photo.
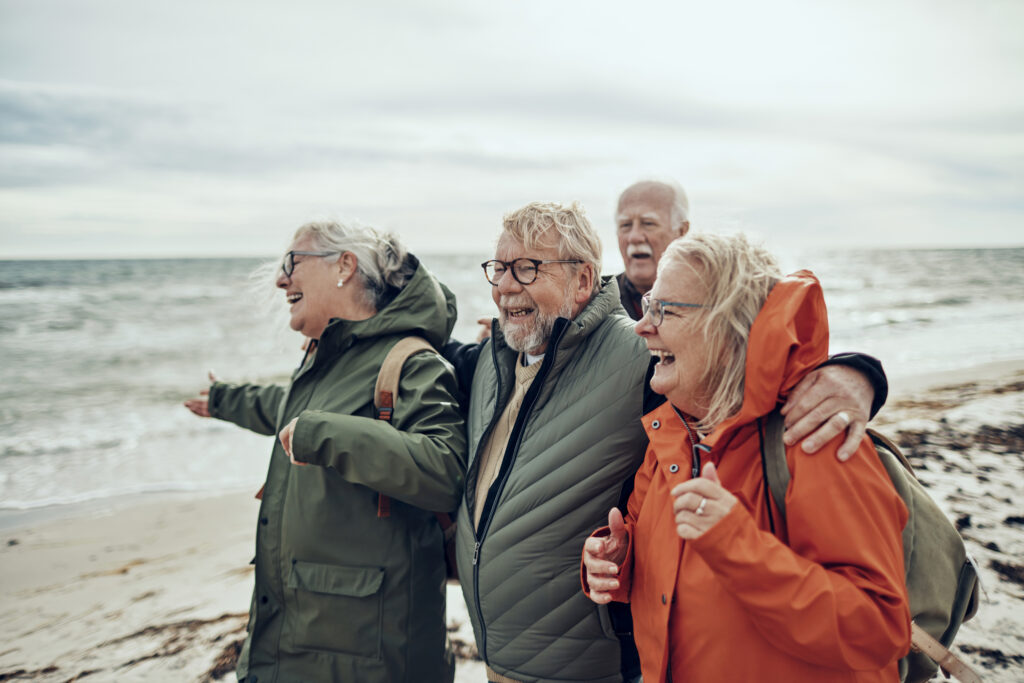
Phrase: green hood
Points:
(424, 307)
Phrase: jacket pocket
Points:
(340, 609)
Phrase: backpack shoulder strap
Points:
(773, 459)
(384, 393)
(881, 441)
(773, 456)
(391, 371)
(386, 389)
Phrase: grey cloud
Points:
(95, 137)
(109, 135)
(48, 116)
(579, 103)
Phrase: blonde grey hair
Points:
(381, 263)
(737, 275)
(535, 224)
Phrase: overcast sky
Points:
(217, 127)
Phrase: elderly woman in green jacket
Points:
(350, 586)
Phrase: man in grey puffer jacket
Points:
(555, 400)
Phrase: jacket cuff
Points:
(303, 439)
(871, 368)
(215, 397)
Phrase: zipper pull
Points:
(476, 553)
(697, 450)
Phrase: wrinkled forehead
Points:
(538, 245)
(654, 201)
(644, 213)
(678, 278)
(302, 242)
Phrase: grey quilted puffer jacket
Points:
(577, 439)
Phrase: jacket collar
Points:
(424, 307)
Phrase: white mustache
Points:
(511, 302)
(634, 249)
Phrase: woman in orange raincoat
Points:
(720, 588)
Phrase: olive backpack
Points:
(942, 579)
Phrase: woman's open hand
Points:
(699, 503)
(201, 406)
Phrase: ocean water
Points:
(97, 356)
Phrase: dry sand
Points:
(156, 589)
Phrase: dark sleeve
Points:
(871, 368)
(463, 357)
(652, 399)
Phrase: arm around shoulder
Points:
(873, 372)
(463, 358)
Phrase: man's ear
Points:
(684, 228)
(584, 283)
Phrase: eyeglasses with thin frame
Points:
(655, 308)
(288, 263)
(524, 270)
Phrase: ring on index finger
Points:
(700, 508)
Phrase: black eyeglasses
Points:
(288, 263)
(524, 270)
(655, 308)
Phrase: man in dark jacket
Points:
(650, 214)
(555, 400)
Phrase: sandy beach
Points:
(157, 588)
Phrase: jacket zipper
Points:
(477, 534)
(695, 448)
(507, 464)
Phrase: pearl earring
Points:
(341, 283)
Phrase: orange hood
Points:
(788, 339)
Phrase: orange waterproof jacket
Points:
(822, 599)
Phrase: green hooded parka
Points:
(342, 594)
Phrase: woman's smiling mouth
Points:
(665, 357)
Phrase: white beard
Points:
(532, 338)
